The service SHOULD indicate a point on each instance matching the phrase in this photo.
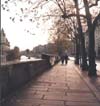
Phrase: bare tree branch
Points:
(73, 15)
(96, 20)
(60, 6)
(95, 4)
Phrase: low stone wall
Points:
(14, 75)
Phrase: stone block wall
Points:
(13, 75)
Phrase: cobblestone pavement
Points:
(63, 85)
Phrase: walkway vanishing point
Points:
(62, 85)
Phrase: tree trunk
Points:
(77, 51)
(82, 42)
(84, 65)
(92, 65)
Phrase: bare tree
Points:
(60, 36)
(91, 29)
(82, 41)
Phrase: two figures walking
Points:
(64, 58)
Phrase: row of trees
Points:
(80, 41)
(74, 23)
(91, 24)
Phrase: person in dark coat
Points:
(64, 58)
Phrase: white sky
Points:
(17, 36)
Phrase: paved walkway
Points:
(63, 85)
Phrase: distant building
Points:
(47, 48)
(4, 46)
(97, 40)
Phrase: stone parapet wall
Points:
(15, 74)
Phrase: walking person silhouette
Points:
(64, 58)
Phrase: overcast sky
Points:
(18, 36)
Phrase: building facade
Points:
(4, 46)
